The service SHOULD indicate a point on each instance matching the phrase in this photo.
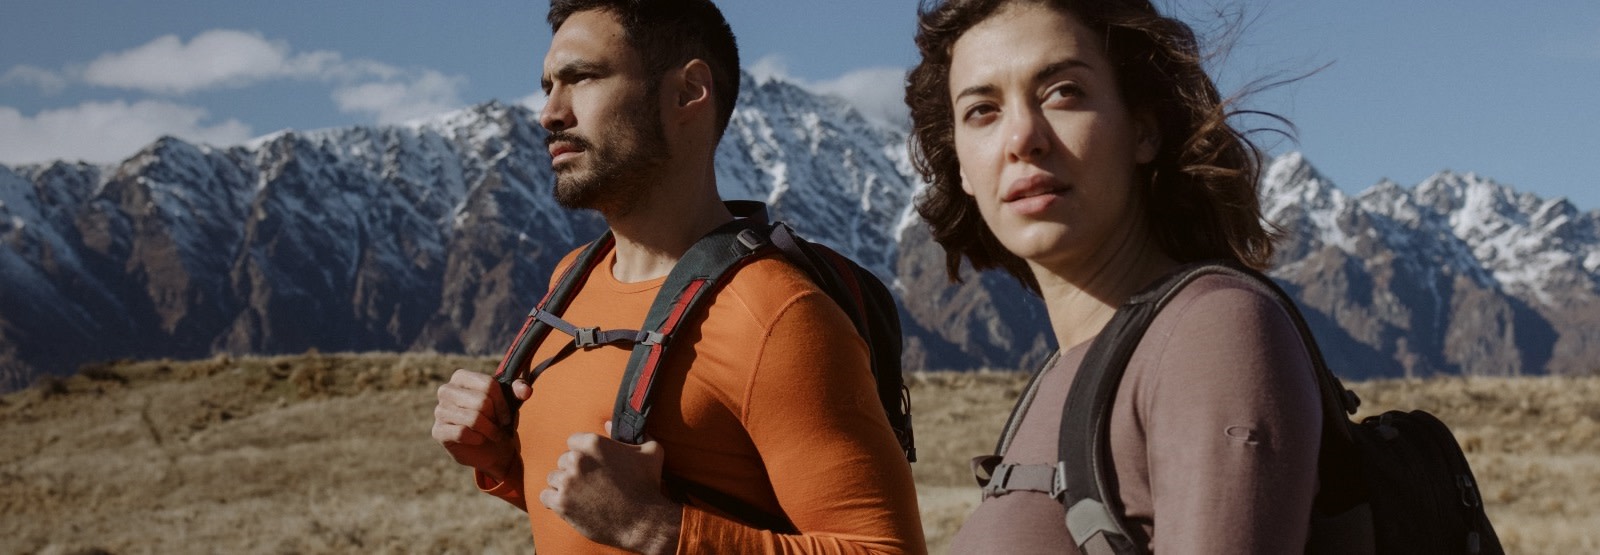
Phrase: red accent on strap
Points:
(507, 357)
(679, 307)
(576, 265)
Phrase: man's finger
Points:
(583, 442)
(548, 498)
(456, 434)
(470, 419)
(568, 461)
(471, 380)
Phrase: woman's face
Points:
(1047, 148)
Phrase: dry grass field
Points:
(331, 454)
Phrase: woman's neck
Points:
(1081, 297)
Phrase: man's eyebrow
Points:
(569, 71)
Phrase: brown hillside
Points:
(331, 454)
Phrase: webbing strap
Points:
(1095, 529)
(585, 338)
(1023, 403)
(514, 365)
(1041, 478)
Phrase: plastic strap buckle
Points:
(750, 240)
(586, 337)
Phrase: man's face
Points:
(606, 136)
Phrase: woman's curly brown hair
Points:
(1199, 194)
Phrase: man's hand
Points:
(473, 423)
(611, 493)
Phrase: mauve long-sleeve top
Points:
(1214, 435)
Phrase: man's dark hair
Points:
(1199, 194)
(669, 33)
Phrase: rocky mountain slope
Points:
(439, 234)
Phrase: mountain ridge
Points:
(438, 234)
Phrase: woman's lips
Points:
(1033, 194)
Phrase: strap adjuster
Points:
(750, 240)
(1009, 477)
(586, 337)
(1058, 487)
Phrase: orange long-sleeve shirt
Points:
(769, 399)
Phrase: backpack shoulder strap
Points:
(514, 364)
(699, 273)
(1094, 512)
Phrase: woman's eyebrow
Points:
(1044, 73)
(981, 90)
(1064, 65)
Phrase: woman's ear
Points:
(1149, 138)
(964, 186)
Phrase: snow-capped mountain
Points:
(439, 234)
(1458, 274)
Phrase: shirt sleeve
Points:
(1233, 422)
(812, 411)
(509, 491)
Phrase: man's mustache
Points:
(566, 137)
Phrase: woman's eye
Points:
(977, 111)
(1064, 92)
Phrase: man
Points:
(767, 399)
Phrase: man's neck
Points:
(655, 234)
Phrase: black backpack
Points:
(1396, 483)
(697, 275)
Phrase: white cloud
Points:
(397, 101)
(534, 101)
(878, 93)
(770, 67)
(218, 58)
(48, 82)
(107, 131)
(212, 59)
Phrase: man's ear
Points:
(1149, 137)
(695, 87)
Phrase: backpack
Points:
(1393, 483)
(696, 277)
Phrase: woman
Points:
(1081, 147)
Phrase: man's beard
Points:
(619, 169)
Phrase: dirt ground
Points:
(331, 454)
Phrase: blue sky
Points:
(1506, 90)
